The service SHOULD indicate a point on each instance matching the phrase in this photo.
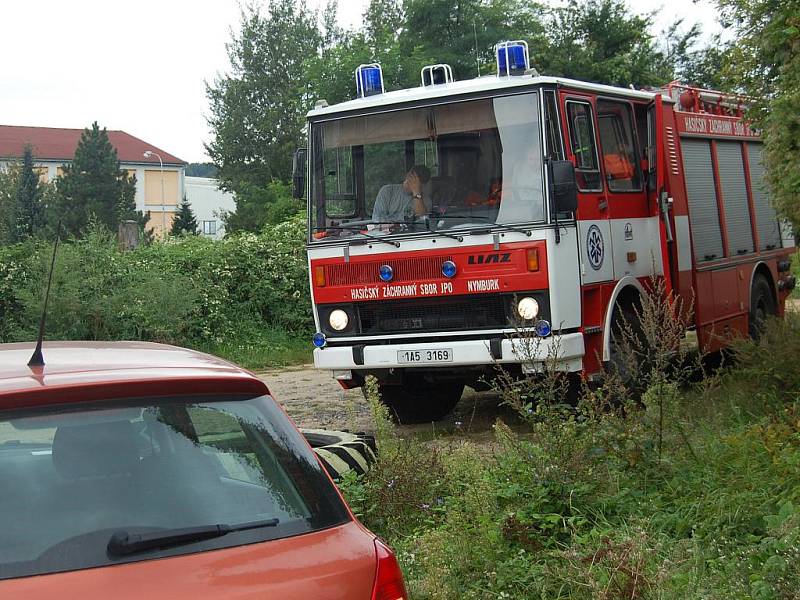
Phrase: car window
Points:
(73, 476)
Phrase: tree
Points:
(94, 185)
(9, 182)
(29, 210)
(598, 40)
(204, 169)
(463, 33)
(184, 222)
(764, 63)
(259, 207)
(257, 110)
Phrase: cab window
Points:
(582, 142)
(615, 124)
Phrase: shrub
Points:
(245, 290)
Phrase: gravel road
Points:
(315, 400)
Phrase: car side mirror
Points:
(564, 186)
(299, 173)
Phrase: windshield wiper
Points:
(123, 542)
(458, 238)
(364, 233)
(488, 229)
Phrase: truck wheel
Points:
(762, 306)
(341, 451)
(418, 402)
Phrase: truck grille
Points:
(405, 269)
(435, 314)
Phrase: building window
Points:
(210, 227)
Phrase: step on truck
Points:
(443, 217)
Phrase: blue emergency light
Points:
(369, 80)
(512, 58)
(543, 328)
(386, 272)
(319, 340)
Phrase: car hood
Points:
(334, 564)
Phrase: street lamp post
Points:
(148, 154)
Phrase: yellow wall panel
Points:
(42, 173)
(152, 187)
(160, 223)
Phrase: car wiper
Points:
(123, 543)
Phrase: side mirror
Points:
(299, 173)
(564, 186)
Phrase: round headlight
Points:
(528, 308)
(338, 319)
(319, 340)
(386, 272)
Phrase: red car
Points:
(137, 470)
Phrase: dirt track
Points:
(315, 400)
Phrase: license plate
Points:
(425, 356)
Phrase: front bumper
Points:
(567, 348)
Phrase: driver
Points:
(397, 201)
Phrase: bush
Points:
(247, 290)
(691, 491)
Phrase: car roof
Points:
(114, 369)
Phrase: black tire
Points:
(342, 451)
(624, 316)
(762, 306)
(416, 401)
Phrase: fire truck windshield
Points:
(449, 167)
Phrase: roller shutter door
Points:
(703, 213)
(734, 197)
(769, 234)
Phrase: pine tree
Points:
(94, 185)
(29, 218)
(184, 222)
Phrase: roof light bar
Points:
(369, 80)
(512, 58)
(436, 74)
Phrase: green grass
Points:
(796, 272)
(260, 350)
(588, 508)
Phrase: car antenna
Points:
(37, 360)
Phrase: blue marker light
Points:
(512, 58)
(543, 328)
(319, 340)
(449, 268)
(369, 80)
(386, 272)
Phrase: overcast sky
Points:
(141, 67)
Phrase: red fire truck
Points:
(440, 217)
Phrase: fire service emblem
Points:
(594, 247)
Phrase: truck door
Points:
(633, 219)
(594, 231)
(657, 193)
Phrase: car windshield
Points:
(75, 476)
(446, 167)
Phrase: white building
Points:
(208, 202)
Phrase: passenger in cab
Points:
(397, 202)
